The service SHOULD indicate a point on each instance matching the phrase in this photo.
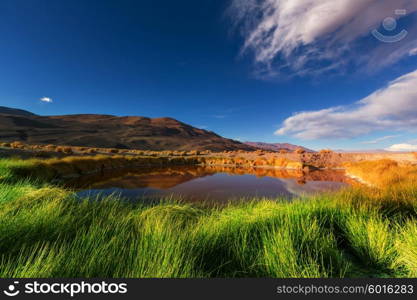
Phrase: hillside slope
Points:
(14, 111)
(110, 132)
(277, 146)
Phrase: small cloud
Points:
(203, 127)
(46, 99)
(219, 116)
(413, 52)
(381, 139)
(402, 147)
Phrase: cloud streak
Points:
(402, 147)
(317, 36)
(381, 139)
(393, 107)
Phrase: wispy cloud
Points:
(46, 99)
(402, 147)
(390, 108)
(413, 141)
(318, 36)
(381, 139)
(223, 113)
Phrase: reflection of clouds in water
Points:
(311, 187)
(202, 186)
(201, 179)
(224, 185)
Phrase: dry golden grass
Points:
(17, 145)
(91, 151)
(50, 147)
(193, 153)
(384, 172)
(6, 145)
(299, 159)
(260, 152)
(65, 149)
(69, 150)
(113, 151)
(299, 151)
(326, 151)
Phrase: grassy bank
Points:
(45, 231)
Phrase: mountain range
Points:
(277, 146)
(108, 131)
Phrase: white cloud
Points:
(314, 36)
(381, 139)
(391, 108)
(402, 147)
(413, 52)
(46, 99)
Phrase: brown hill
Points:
(109, 131)
(14, 111)
(277, 146)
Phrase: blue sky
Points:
(217, 65)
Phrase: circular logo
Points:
(389, 24)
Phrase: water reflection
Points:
(214, 183)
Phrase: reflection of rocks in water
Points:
(302, 176)
(301, 181)
(169, 177)
(212, 183)
(160, 178)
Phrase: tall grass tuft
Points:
(371, 239)
(406, 246)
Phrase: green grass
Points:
(45, 231)
(406, 246)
